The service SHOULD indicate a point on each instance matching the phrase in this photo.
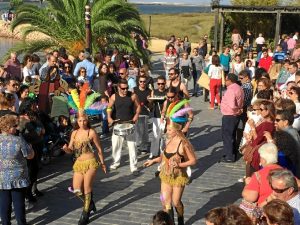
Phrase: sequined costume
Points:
(80, 147)
(169, 174)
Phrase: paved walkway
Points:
(124, 199)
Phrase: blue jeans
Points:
(17, 197)
(196, 76)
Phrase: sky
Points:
(190, 2)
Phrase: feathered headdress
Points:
(84, 102)
(177, 111)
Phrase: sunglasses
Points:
(160, 83)
(279, 191)
(123, 89)
(171, 73)
(142, 81)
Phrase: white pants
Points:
(157, 133)
(117, 142)
(142, 135)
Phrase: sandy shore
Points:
(158, 45)
(6, 32)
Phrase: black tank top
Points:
(124, 107)
(180, 92)
(142, 96)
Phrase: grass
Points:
(194, 25)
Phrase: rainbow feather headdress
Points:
(176, 113)
(83, 102)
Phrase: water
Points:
(5, 44)
(146, 8)
(171, 9)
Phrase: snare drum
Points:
(123, 129)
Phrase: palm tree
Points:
(62, 22)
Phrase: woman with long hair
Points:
(86, 164)
(100, 83)
(23, 93)
(176, 157)
(216, 75)
(257, 134)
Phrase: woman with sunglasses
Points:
(177, 156)
(67, 73)
(257, 134)
(294, 95)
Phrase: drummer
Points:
(124, 103)
(160, 94)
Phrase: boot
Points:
(84, 218)
(92, 204)
(180, 211)
(170, 211)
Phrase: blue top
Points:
(225, 61)
(91, 69)
(13, 165)
(279, 56)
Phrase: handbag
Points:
(248, 151)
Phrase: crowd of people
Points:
(259, 89)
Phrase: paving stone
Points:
(123, 199)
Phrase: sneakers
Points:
(242, 180)
(114, 166)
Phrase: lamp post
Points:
(88, 32)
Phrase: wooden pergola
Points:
(220, 10)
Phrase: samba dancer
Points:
(86, 164)
(125, 104)
(156, 124)
(173, 97)
(177, 156)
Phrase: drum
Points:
(123, 129)
(157, 98)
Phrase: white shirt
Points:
(291, 78)
(295, 37)
(27, 72)
(215, 72)
(260, 40)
